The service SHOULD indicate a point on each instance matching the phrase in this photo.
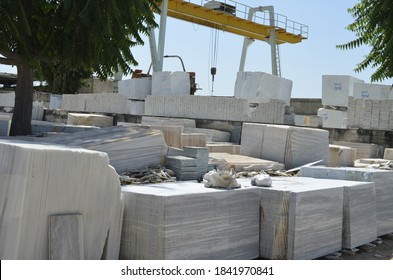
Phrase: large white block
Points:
(185, 220)
(89, 120)
(293, 146)
(363, 150)
(372, 91)
(55, 101)
(337, 88)
(136, 88)
(341, 156)
(333, 118)
(38, 180)
(137, 107)
(170, 83)
(383, 180)
(128, 148)
(7, 99)
(301, 218)
(260, 87)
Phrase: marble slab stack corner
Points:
(38, 181)
(383, 180)
(188, 221)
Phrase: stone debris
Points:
(154, 174)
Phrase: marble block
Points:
(333, 118)
(128, 148)
(337, 88)
(301, 218)
(37, 181)
(383, 180)
(341, 156)
(261, 87)
(293, 146)
(89, 120)
(7, 99)
(363, 150)
(135, 88)
(185, 220)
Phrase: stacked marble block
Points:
(192, 164)
(362, 105)
(89, 120)
(307, 218)
(293, 146)
(101, 103)
(128, 148)
(215, 108)
(383, 180)
(185, 220)
(41, 182)
(136, 89)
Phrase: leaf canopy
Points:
(373, 26)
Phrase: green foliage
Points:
(83, 35)
(373, 26)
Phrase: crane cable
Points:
(213, 54)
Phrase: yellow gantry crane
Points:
(259, 23)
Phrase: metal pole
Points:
(161, 35)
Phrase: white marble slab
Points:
(37, 181)
(185, 220)
(383, 180)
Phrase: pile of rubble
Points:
(154, 174)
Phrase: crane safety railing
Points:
(241, 11)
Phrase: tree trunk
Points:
(21, 118)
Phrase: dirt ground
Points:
(381, 249)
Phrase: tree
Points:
(83, 35)
(373, 27)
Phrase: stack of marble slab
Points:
(341, 156)
(229, 148)
(306, 218)
(293, 146)
(197, 107)
(38, 181)
(89, 120)
(128, 148)
(185, 168)
(102, 103)
(383, 180)
(156, 121)
(185, 220)
(260, 87)
(363, 150)
(212, 135)
(201, 154)
(242, 163)
(43, 127)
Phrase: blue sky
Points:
(303, 63)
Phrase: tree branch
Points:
(6, 61)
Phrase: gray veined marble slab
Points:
(37, 181)
(185, 220)
(383, 180)
(128, 148)
(306, 218)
